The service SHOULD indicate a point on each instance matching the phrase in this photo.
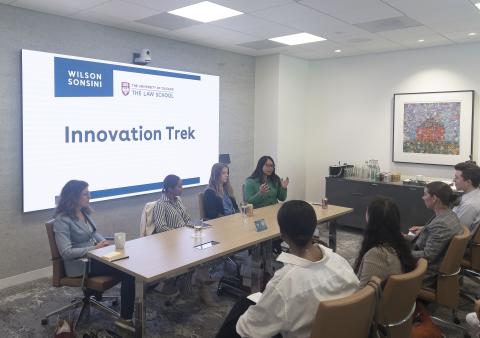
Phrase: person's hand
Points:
(264, 188)
(284, 182)
(477, 308)
(415, 229)
(102, 244)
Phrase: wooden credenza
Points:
(357, 194)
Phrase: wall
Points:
(350, 105)
(23, 240)
(281, 86)
(293, 89)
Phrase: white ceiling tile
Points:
(163, 5)
(409, 33)
(468, 25)
(248, 6)
(354, 11)
(321, 54)
(375, 45)
(213, 34)
(146, 29)
(368, 14)
(58, 7)
(124, 10)
(258, 27)
(430, 42)
(463, 37)
(442, 22)
(329, 28)
(288, 13)
(103, 19)
(429, 11)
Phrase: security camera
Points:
(142, 58)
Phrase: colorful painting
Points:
(432, 128)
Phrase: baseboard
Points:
(25, 277)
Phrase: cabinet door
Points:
(412, 207)
(349, 194)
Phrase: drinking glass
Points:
(197, 228)
(244, 211)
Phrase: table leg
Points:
(267, 257)
(261, 263)
(332, 235)
(140, 310)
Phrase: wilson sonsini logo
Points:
(153, 91)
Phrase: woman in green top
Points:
(264, 187)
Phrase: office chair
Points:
(89, 285)
(397, 305)
(201, 206)
(147, 225)
(347, 317)
(447, 292)
(471, 263)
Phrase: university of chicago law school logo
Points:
(125, 88)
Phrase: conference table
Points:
(172, 253)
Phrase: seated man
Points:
(467, 179)
(311, 273)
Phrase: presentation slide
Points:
(120, 127)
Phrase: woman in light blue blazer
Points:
(76, 234)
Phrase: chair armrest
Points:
(451, 274)
(109, 238)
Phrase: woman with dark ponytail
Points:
(431, 241)
(384, 250)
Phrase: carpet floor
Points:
(22, 307)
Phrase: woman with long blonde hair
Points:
(218, 198)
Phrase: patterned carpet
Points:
(22, 307)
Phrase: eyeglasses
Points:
(270, 165)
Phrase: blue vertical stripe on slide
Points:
(137, 188)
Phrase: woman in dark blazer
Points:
(218, 198)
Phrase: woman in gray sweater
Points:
(384, 250)
(431, 241)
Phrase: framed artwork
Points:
(433, 128)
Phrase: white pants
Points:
(473, 324)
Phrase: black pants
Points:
(228, 328)
(127, 288)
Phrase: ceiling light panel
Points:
(297, 39)
(205, 11)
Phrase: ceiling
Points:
(353, 26)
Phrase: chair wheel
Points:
(44, 321)
(115, 303)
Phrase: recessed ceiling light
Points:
(337, 50)
(205, 11)
(297, 39)
(478, 5)
(472, 34)
(421, 40)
